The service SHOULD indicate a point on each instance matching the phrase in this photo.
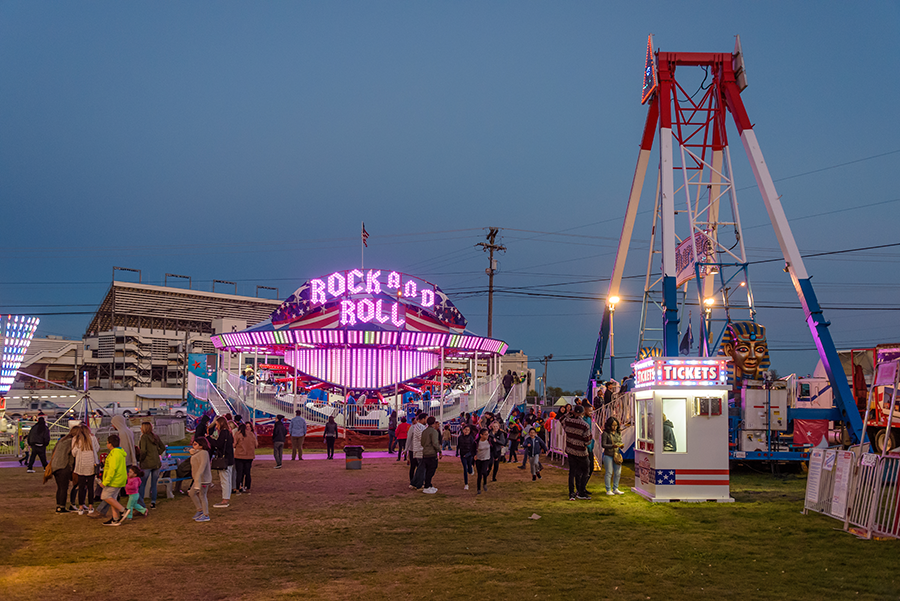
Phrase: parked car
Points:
(22, 407)
(117, 408)
(179, 410)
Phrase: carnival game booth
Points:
(681, 418)
(368, 336)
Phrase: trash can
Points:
(353, 457)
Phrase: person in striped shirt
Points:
(578, 435)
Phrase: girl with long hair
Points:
(611, 441)
(85, 449)
(466, 445)
(202, 475)
(245, 444)
(223, 448)
(151, 448)
(331, 432)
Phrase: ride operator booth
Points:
(681, 429)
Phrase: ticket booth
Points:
(681, 429)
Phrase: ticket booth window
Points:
(645, 423)
(674, 425)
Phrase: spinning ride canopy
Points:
(366, 331)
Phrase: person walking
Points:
(279, 434)
(392, 431)
(515, 437)
(115, 476)
(245, 444)
(85, 449)
(126, 436)
(577, 437)
(402, 433)
(498, 439)
(298, 434)
(482, 460)
(202, 475)
(431, 451)
(533, 447)
(414, 452)
(132, 484)
(38, 439)
(466, 445)
(507, 383)
(61, 464)
(150, 450)
(223, 450)
(330, 435)
(611, 441)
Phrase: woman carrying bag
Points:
(223, 447)
(611, 441)
(61, 464)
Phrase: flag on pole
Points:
(688, 340)
(365, 235)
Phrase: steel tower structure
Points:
(695, 174)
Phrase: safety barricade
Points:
(556, 439)
(862, 490)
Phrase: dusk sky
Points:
(247, 141)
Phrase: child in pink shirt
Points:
(132, 489)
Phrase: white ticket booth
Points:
(681, 429)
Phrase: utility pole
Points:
(545, 361)
(184, 368)
(490, 246)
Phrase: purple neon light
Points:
(362, 368)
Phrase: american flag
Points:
(365, 235)
(691, 477)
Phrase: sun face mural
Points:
(745, 342)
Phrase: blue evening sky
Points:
(246, 141)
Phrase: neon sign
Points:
(679, 372)
(371, 299)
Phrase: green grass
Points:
(314, 530)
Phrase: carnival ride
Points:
(364, 339)
(703, 241)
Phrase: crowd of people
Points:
(484, 442)
(118, 483)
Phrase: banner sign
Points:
(684, 257)
(814, 476)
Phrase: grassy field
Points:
(314, 530)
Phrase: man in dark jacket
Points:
(279, 435)
(38, 439)
(507, 382)
(431, 449)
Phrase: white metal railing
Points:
(204, 390)
(860, 489)
(515, 398)
(885, 520)
(621, 407)
(485, 394)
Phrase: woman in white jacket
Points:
(85, 449)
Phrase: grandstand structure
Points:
(141, 336)
(141, 333)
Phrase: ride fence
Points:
(9, 443)
(861, 489)
(621, 408)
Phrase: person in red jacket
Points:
(402, 433)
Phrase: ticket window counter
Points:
(681, 430)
